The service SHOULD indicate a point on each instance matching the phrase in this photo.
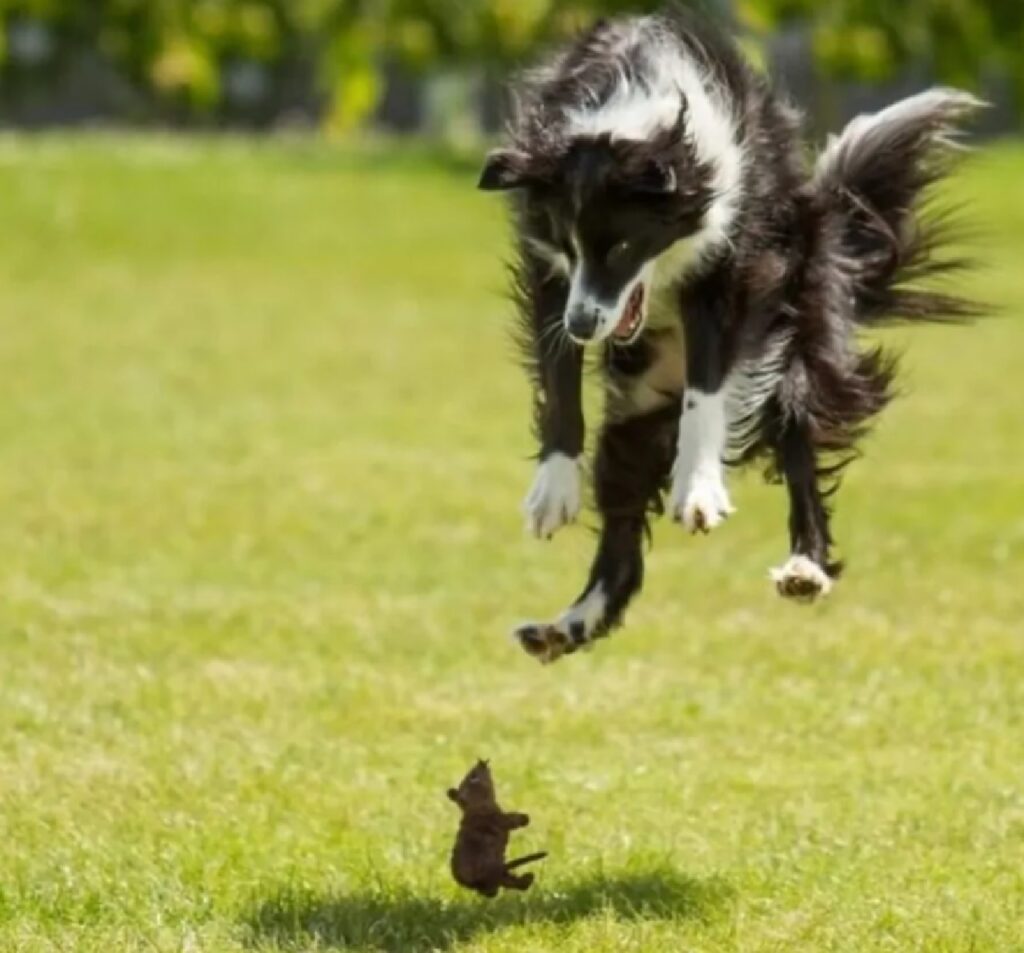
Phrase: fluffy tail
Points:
(873, 178)
(876, 249)
(528, 859)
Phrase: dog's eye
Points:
(619, 251)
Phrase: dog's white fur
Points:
(699, 499)
(799, 569)
(556, 495)
(859, 132)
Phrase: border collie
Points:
(665, 212)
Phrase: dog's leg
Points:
(809, 571)
(556, 366)
(699, 499)
(633, 460)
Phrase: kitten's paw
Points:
(556, 495)
(699, 500)
(802, 579)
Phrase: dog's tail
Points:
(528, 859)
(873, 179)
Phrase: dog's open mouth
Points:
(632, 316)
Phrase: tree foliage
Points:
(199, 56)
(956, 41)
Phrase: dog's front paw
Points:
(573, 629)
(802, 579)
(556, 495)
(699, 500)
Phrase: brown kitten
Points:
(478, 859)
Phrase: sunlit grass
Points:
(262, 453)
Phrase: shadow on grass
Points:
(405, 923)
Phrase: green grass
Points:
(261, 454)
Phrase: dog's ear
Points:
(504, 169)
(655, 177)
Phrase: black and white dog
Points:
(665, 212)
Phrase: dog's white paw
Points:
(575, 628)
(699, 500)
(801, 578)
(556, 495)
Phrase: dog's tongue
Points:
(630, 313)
(623, 326)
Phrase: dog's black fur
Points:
(770, 307)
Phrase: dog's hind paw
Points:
(545, 641)
(802, 579)
(555, 497)
(574, 629)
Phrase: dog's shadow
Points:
(404, 923)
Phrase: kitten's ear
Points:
(504, 169)
(453, 795)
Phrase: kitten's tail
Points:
(873, 178)
(528, 859)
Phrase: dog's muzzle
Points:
(582, 322)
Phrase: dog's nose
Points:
(581, 323)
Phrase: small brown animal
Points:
(478, 859)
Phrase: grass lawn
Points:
(261, 455)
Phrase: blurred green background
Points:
(424, 65)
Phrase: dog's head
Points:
(605, 208)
